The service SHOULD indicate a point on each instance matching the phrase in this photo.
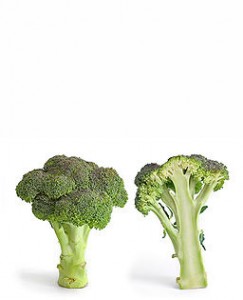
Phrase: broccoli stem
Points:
(73, 241)
(192, 272)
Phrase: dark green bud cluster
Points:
(148, 189)
(212, 171)
(69, 189)
(144, 173)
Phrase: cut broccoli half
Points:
(183, 185)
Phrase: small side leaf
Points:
(202, 239)
(171, 212)
(167, 215)
(203, 209)
(174, 225)
(164, 234)
(165, 211)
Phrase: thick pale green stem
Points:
(73, 241)
(192, 272)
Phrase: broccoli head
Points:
(176, 192)
(74, 196)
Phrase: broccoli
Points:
(176, 192)
(74, 196)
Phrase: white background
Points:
(121, 83)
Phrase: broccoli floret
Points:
(74, 196)
(181, 187)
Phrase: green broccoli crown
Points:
(153, 179)
(144, 173)
(212, 171)
(69, 189)
(147, 188)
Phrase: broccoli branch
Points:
(169, 200)
(203, 195)
(159, 212)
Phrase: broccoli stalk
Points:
(74, 196)
(73, 242)
(182, 186)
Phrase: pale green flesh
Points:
(192, 273)
(185, 239)
(73, 241)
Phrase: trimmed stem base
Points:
(72, 267)
(193, 282)
(72, 275)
